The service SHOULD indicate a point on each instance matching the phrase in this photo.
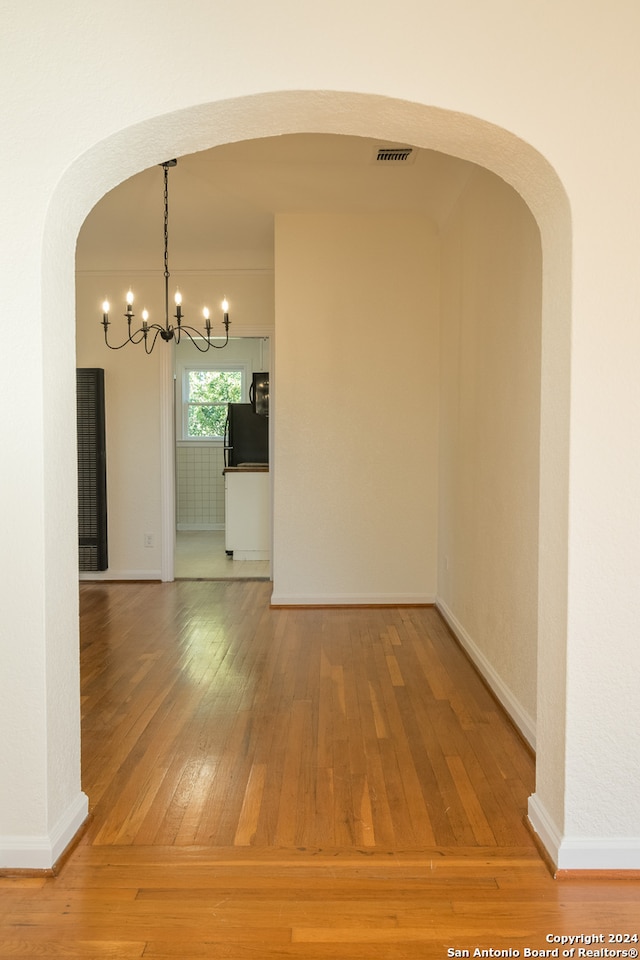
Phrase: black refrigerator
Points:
(247, 436)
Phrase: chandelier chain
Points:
(166, 244)
(166, 220)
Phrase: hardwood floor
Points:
(294, 783)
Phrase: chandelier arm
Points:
(196, 342)
(157, 330)
(130, 339)
(119, 347)
(221, 346)
(185, 328)
(154, 326)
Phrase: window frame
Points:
(221, 366)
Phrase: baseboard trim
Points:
(121, 575)
(199, 526)
(521, 717)
(579, 854)
(587, 856)
(597, 874)
(43, 852)
(353, 600)
(545, 831)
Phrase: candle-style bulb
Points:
(129, 297)
(105, 307)
(178, 303)
(145, 317)
(225, 305)
(205, 313)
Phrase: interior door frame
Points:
(168, 449)
(167, 465)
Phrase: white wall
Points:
(356, 406)
(490, 437)
(464, 78)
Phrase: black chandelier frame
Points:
(148, 333)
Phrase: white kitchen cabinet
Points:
(247, 513)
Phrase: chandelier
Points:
(148, 333)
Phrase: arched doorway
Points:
(516, 162)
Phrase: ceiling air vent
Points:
(394, 155)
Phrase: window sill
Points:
(200, 441)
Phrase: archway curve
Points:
(203, 126)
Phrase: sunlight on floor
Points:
(200, 555)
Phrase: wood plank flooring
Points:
(293, 783)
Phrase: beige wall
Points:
(490, 437)
(356, 397)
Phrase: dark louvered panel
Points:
(92, 474)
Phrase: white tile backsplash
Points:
(200, 485)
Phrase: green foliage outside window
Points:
(209, 392)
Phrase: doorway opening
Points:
(204, 388)
(428, 127)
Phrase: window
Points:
(206, 392)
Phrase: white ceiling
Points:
(222, 201)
